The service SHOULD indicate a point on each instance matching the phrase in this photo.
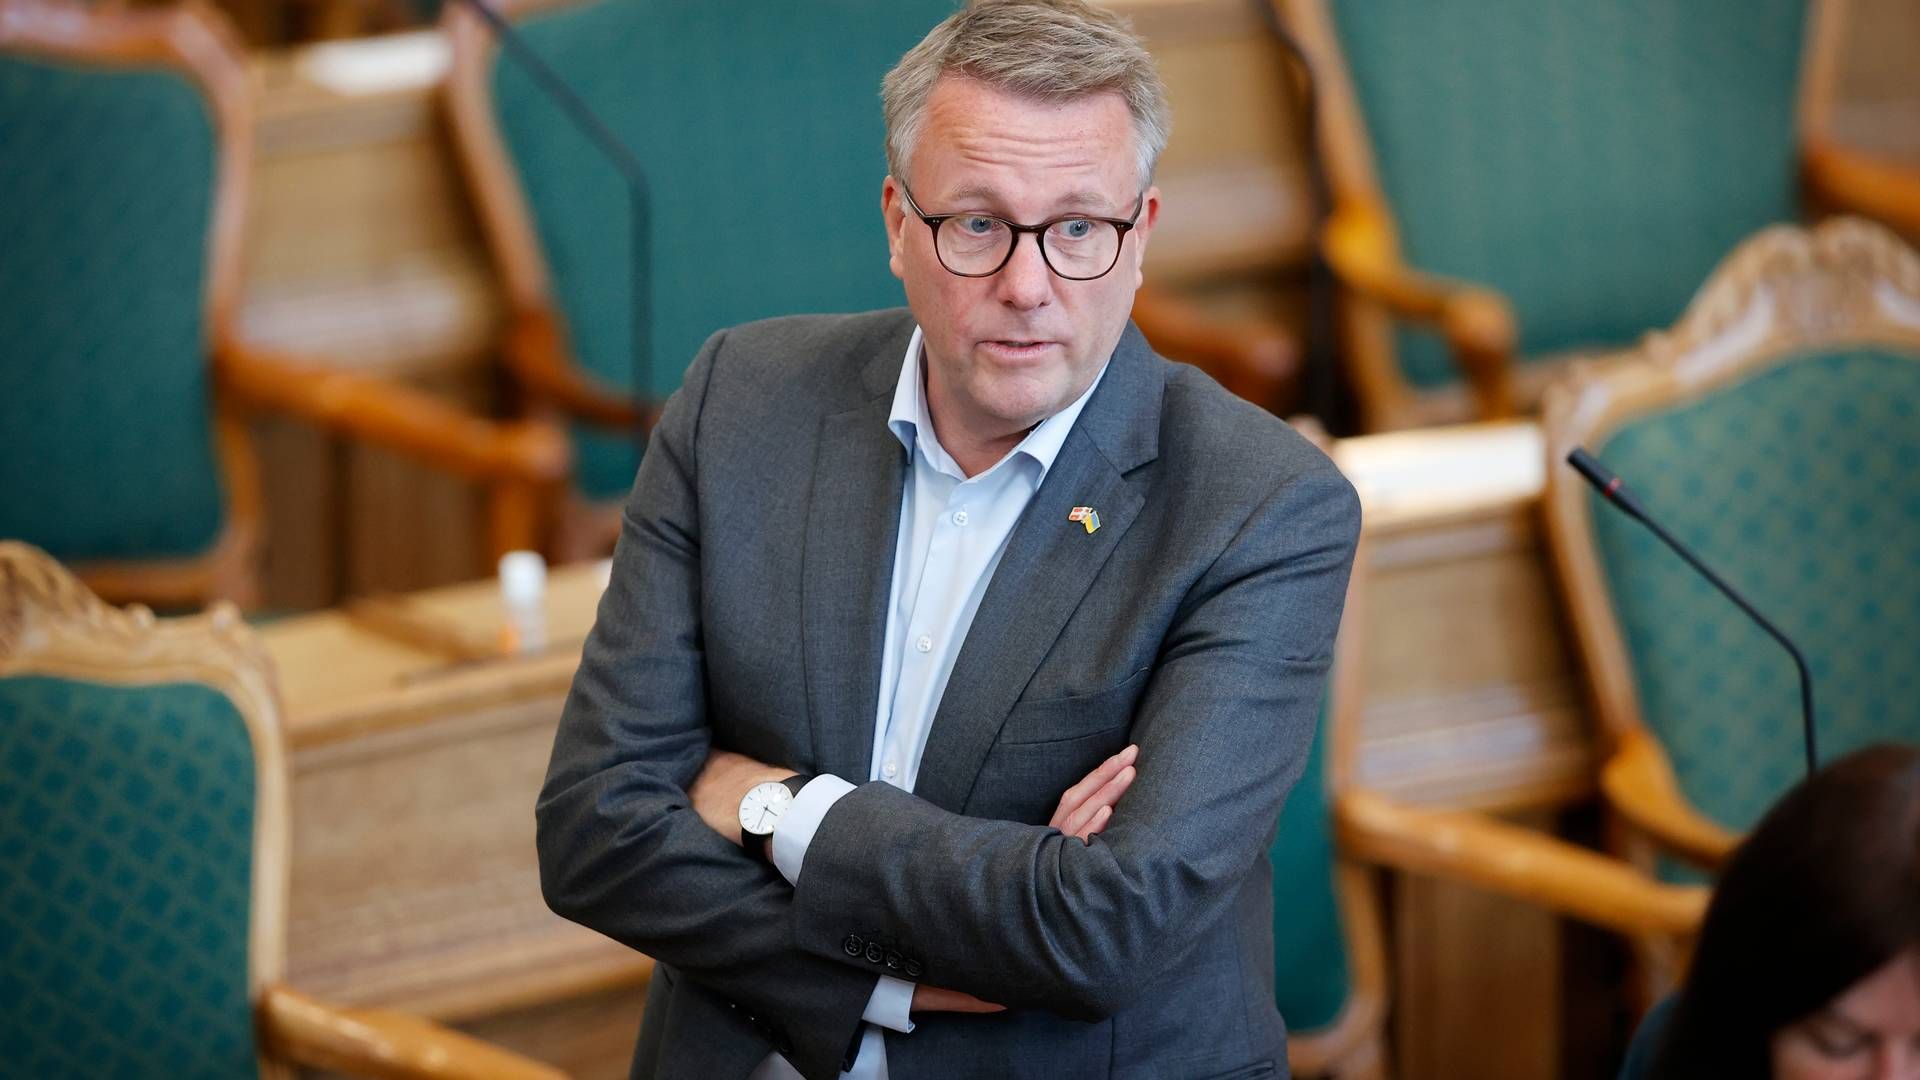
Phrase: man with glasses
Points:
(957, 660)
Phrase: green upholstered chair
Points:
(1518, 182)
(1328, 954)
(1776, 430)
(144, 855)
(124, 390)
(759, 129)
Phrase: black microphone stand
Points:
(640, 363)
(1614, 491)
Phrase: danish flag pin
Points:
(1087, 516)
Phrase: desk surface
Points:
(339, 674)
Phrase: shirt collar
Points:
(911, 424)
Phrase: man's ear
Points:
(1142, 229)
(893, 212)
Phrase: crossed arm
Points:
(1084, 810)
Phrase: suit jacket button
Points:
(893, 960)
(875, 953)
(913, 969)
(853, 945)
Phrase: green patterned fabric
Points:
(106, 193)
(759, 128)
(1801, 486)
(126, 853)
(1311, 981)
(1592, 161)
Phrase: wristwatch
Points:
(761, 810)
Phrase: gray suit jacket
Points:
(746, 611)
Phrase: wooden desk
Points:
(1472, 700)
(414, 878)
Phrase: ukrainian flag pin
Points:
(1087, 516)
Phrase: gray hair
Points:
(1048, 50)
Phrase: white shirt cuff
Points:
(890, 1005)
(796, 827)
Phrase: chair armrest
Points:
(1863, 184)
(380, 1043)
(1517, 862)
(1477, 322)
(398, 417)
(1639, 783)
(539, 359)
(1252, 359)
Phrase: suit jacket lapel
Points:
(853, 524)
(1049, 564)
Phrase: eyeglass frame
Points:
(1039, 231)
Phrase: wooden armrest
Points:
(395, 416)
(1477, 323)
(1517, 862)
(1252, 359)
(379, 1043)
(1639, 784)
(1863, 184)
(537, 357)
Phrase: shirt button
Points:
(889, 770)
(925, 644)
(959, 517)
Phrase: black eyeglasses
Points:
(1074, 246)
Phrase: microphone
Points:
(616, 152)
(1615, 491)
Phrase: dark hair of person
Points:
(1824, 892)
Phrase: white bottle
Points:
(523, 598)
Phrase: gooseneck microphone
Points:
(616, 152)
(1614, 491)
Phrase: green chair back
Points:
(760, 132)
(126, 849)
(1801, 486)
(1311, 978)
(1592, 161)
(106, 195)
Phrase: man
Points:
(997, 639)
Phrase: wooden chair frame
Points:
(50, 624)
(1477, 322)
(1786, 290)
(521, 463)
(1373, 831)
(1253, 359)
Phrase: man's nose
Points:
(1025, 282)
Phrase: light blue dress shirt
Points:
(953, 530)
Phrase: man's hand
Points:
(1088, 805)
(723, 782)
(1084, 810)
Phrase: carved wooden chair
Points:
(125, 392)
(144, 855)
(760, 134)
(1777, 427)
(1776, 430)
(1516, 183)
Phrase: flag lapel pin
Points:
(1087, 516)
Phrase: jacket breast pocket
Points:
(1046, 747)
(1075, 716)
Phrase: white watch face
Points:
(761, 809)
